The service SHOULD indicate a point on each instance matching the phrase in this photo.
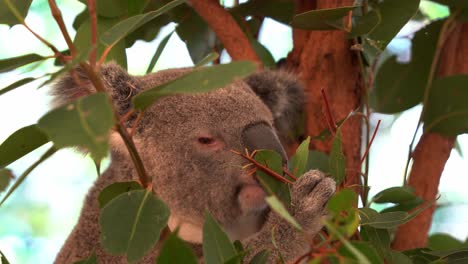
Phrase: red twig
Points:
(132, 132)
(57, 14)
(330, 120)
(370, 144)
(93, 17)
(104, 54)
(286, 171)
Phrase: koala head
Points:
(186, 140)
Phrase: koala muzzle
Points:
(262, 136)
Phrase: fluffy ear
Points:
(119, 84)
(283, 94)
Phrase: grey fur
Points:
(190, 177)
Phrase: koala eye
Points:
(206, 140)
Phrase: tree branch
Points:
(226, 28)
(59, 19)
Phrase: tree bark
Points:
(433, 150)
(324, 60)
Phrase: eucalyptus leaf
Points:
(364, 248)
(158, 52)
(443, 242)
(116, 189)
(337, 159)
(111, 8)
(91, 260)
(365, 24)
(198, 81)
(141, 217)
(321, 19)
(16, 62)
(380, 239)
(207, 59)
(5, 178)
(281, 210)
(318, 161)
(395, 195)
(176, 251)
(7, 16)
(358, 255)
(298, 162)
(263, 53)
(280, 10)
(16, 85)
(260, 258)
(217, 248)
(3, 259)
(20, 143)
(84, 123)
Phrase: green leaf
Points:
(197, 81)
(280, 10)
(279, 208)
(16, 62)
(395, 257)
(261, 257)
(141, 217)
(343, 213)
(209, 58)
(407, 206)
(395, 195)
(380, 239)
(364, 248)
(217, 248)
(21, 8)
(116, 189)
(393, 16)
(365, 24)
(298, 162)
(197, 35)
(321, 19)
(419, 256)
(444, 242)
(85, 123)
(342, 201)
(318, 161)
(125, 27)
(446, 109)
(111, 8)
(3, 259)
(82, 40)
(263, 53)
(401, 86)
(91, 260)
(16, 85)
(5, 177)
(158, 52)
(272, 186)
(23, 176)
(20, 143)
(337, 159)
(359, 256)
(176, 251)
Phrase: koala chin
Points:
(185, 142)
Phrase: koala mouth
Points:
(251, 198)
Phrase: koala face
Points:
(186, 140)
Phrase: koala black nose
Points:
(262, 136)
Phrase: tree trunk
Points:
(433, 150)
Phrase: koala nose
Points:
(262, 136)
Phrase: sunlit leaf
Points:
(176, 251)
(447, 110)
(91, 260)
(401, 86)
(217, 248)
(198, 81)
(16, 85)
(20, 143)
(395, 195)
(5, 178)
(16, 62)
(158, 52)
(116, 189)
(337, 159)
(84, 123)
(19, 6)
(279, 208)
(321, 19)
(141, 217)
(124, 27)
(298, 162)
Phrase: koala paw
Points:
(310, 194)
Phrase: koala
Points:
(185, 142)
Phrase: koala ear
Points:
(283, 94)
(118, 83)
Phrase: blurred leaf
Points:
(444, 242)
(365, 248)
(365, 24)
(263, 53)
(401, 86)
(81, 18)
(419, 256)
(5, 178)
(82, 41)
(19, 6)
(453, 3)
(342, 201)
(209, 58)
(3, 259)
(196, 34)
(260, 258)
(395, 257)
(395, 195)
(458, 148)
(16, 85)
(23, 176)
(20, 143)
(359, 256)
(272, 186)
(318, 161)
(158, 52)
(380, 239)
(217, 248)
(447, 108)
(343, 213)
(141, 217)
(200, 80)
(176, 251)
(337, 159)
(85, 123)
(298, 162)
(16, 62)
(279, 10)
(279, 208)
(116, 189)
(406, 206)
(321, 19)
(458, 256)
(124, 27)
(393, 16)
(91, 260)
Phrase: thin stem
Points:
(370, 144)
(57, 14)
(104, 54)
(328, 108)
(93, 19)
